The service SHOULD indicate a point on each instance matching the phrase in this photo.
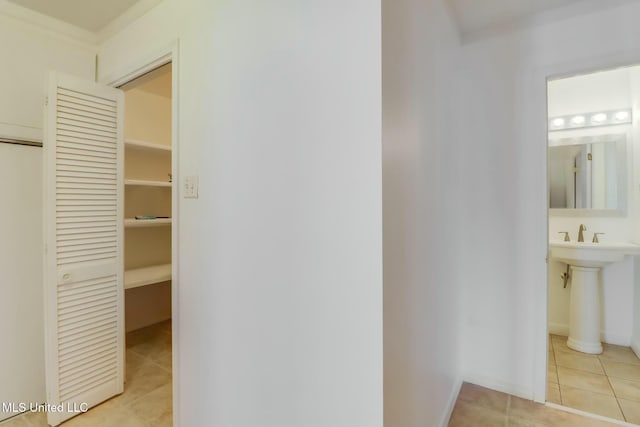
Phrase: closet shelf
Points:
(147, 275)
(146, 145)
(144, 183)
(158, 222)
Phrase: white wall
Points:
(420, 192)
(28, 53)
(280, 259)
(21, 304)
(504, 178)
(602, 91)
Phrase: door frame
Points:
(537, 80)
(135, 69)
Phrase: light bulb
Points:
(599, 118)
(622, 115)
(558, 122)
(578, 120)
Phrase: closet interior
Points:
(147, 206)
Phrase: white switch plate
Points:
(190, 187)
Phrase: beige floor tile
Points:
(583, 380)
(484, 397)
(575, 420)
(155, 408)
(621, 370)
(140, 336)
(553, 393)
(631, 410)
(558, 341)
(527, 413)
(468, 414)
(165, 362)
(37, 419)
(558, 419)
(589, 401)
(551, 357)
(562, 349)
(626, 389)
(156, 348)
(164, 420)
(17, 421)
(552, 374)
(106, 418)
(150, 344)
(618, 353)
(28, 419)
(524, 413)
(147, 378)
(589, 363)
(134, 362)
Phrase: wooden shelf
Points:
(147, 275)
(144, 183)
(158, 222)
(132, 143)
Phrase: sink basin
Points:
(593, 255)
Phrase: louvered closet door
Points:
(83, 222)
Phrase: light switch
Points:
(190, 187)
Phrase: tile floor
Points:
(606, 384)
(147, 397)
(480, 407)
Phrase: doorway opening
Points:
(148, 182)
(593, 341)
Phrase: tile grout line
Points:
(553, 347)
(613, 390)
(559, 388)
(507, 414)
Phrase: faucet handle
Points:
(595, 237)
(566, 235)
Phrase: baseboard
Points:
(559, 329)
(635, 346)
(444, 422)
(607, 337)
(616, 339)
(497, 385)
(589, 415)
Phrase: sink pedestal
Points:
(586, 260)
(584, 310)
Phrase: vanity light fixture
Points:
(577, 120)
(622, 116)
(599, 118)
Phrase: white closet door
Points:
(84, 299)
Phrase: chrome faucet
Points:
(580, 235)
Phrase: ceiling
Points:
(92, 15)
(475, 16)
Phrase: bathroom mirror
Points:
(587, 174)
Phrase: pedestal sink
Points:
(586, 260)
